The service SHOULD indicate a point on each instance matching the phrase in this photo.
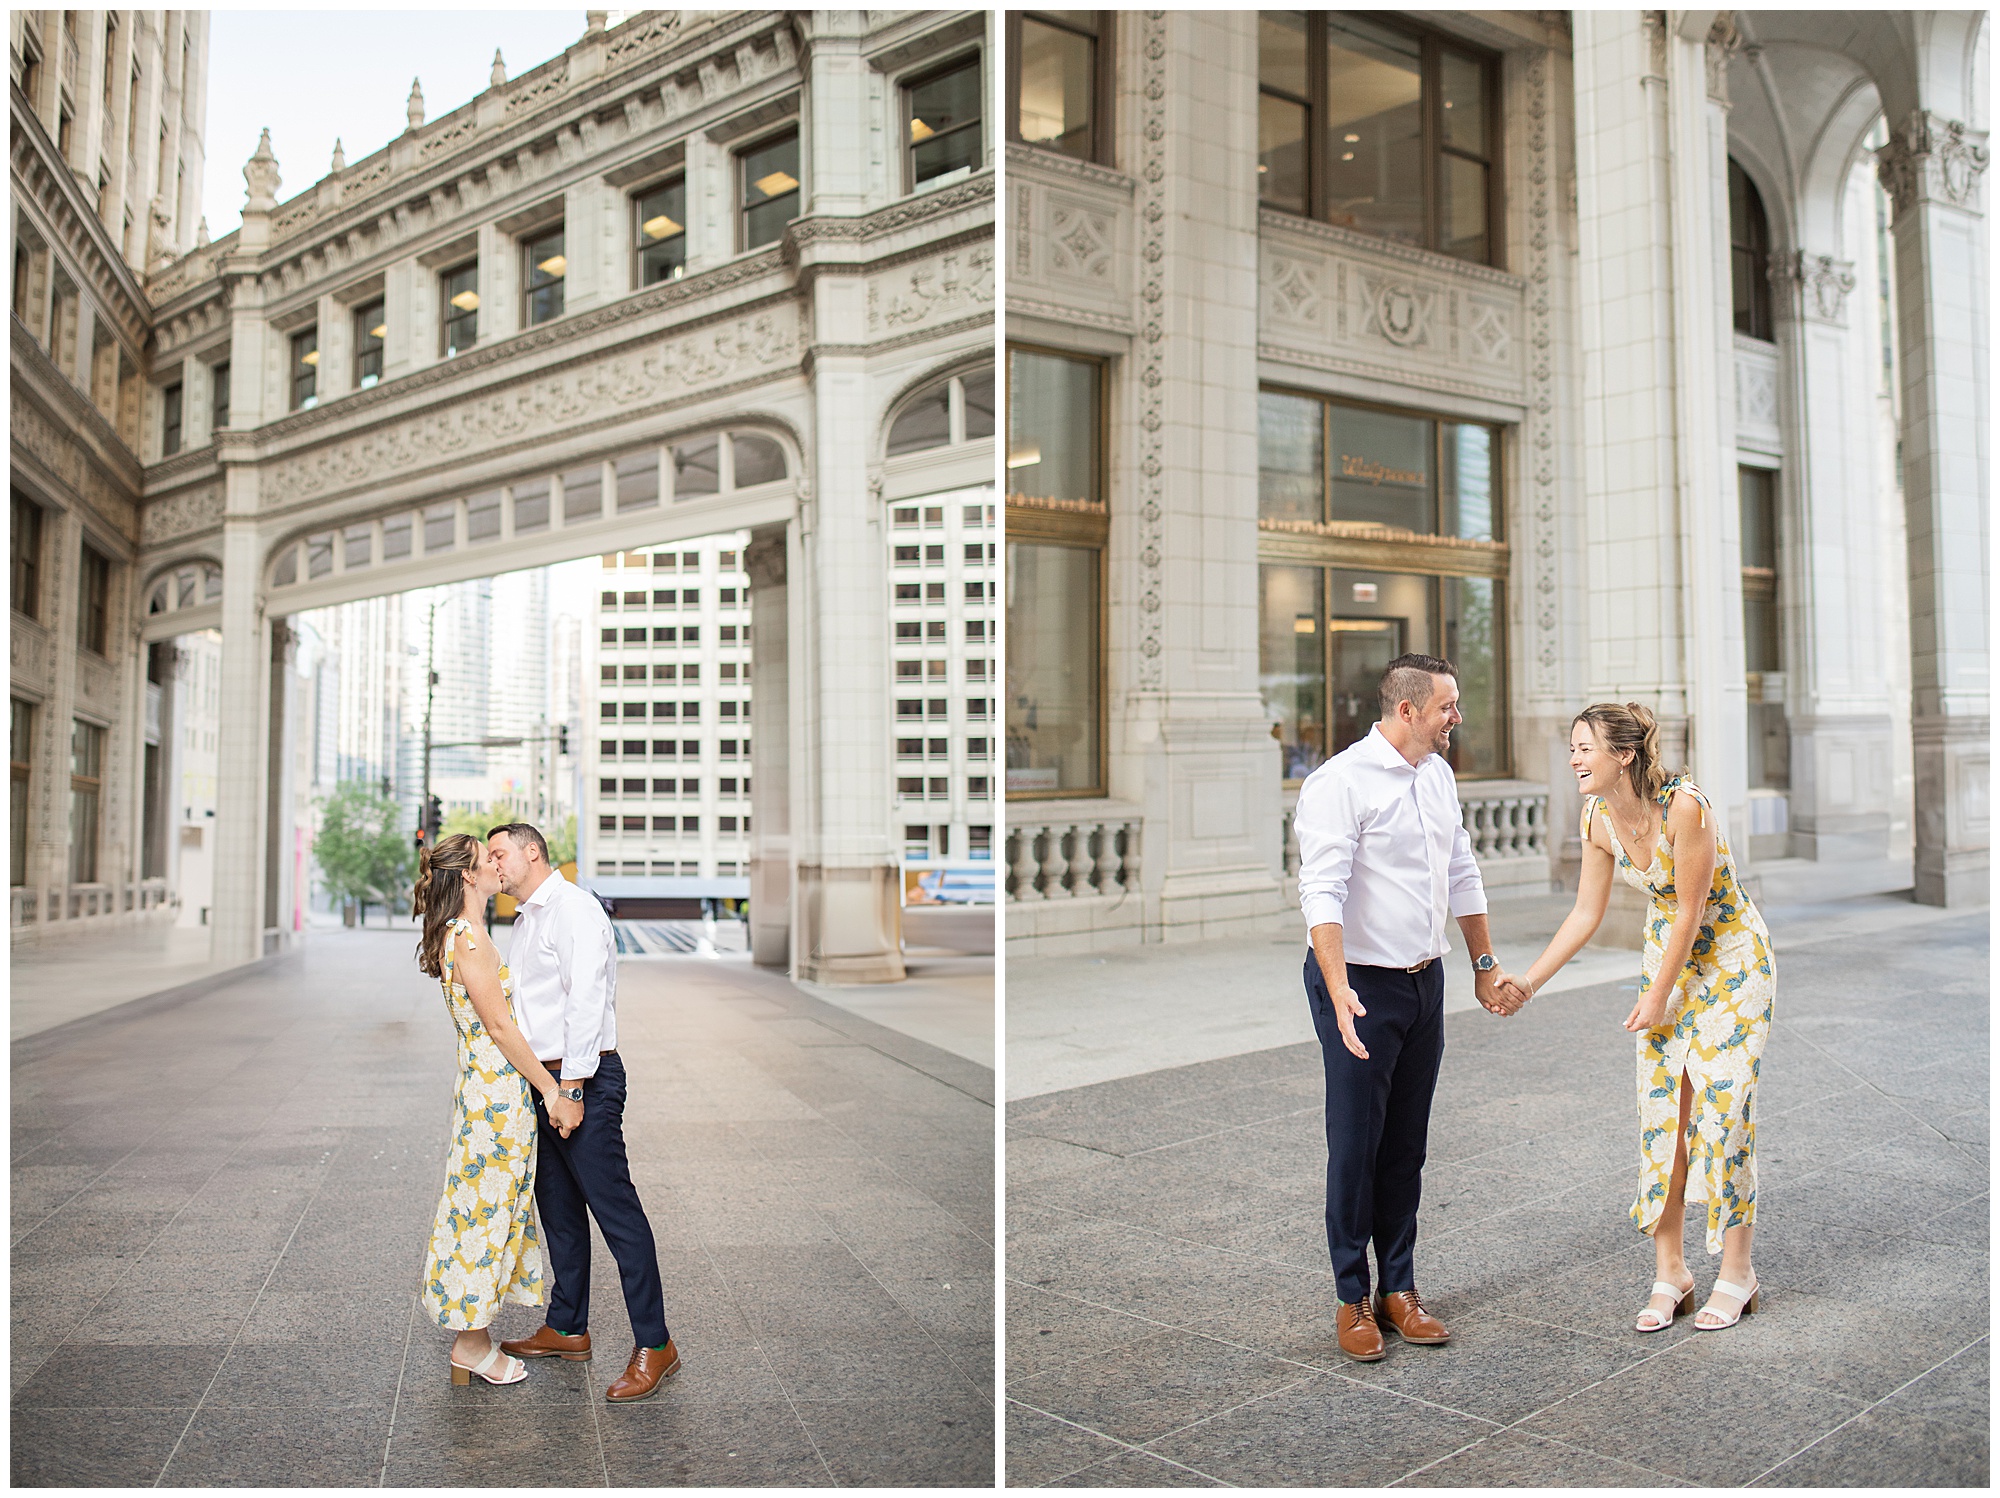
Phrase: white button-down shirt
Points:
(564, 962)
(1384, 854)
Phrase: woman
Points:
(1703, 1016)
(484, 1248)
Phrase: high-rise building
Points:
(666, 755)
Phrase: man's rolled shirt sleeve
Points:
(1328, 833)
(1468, 890)
(582, 955)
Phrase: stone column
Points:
(48, 844)
(1931, 169)
(1627, 192)
(237, 908)
(1189, 738)
(836, 102)
(770, 750)
(1832, 588)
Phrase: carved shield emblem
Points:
(1396, 311)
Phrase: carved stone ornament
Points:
(1398, 314)
(261, 173)
(413, 111)
(1931, 159)
(181, 515)
(1823, 283)
(1722, 43)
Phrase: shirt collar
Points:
(1388, 755)
(546, 890)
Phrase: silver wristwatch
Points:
(574, 1094)
(1484, 963)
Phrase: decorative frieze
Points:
(1757, 395)
(1351, 303)
(935, 291)
(183, 514)
(711, 359)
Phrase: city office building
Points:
(1578, 347)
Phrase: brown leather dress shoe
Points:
(551, 1344)
(648, 1368)
(1360, 1337)
(1405, 1312)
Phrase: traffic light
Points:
(433, 817)
(420, 842)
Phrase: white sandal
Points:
(1650, 1319)
(460, 1374)
(1748, 1297)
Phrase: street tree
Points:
(364, 856)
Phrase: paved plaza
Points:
(221, 1203)
(1170, 1310)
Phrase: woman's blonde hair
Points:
(440, 893)
(1629, 728)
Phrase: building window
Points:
(1763, 645)
(370, 329)
(1379, 128)
(1057, 523)
(946, 141)
(770, 188)
(951, 411)
(218, 396)
(93, 604)
(305, 369)
(1749, 256)
(24, 545)
(21, 750)
(86, 784)
(458, 301)
(661, 217)
(546, 266)
(1060, 99)
(1378, 533)
(170, 421)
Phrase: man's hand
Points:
(1486, 987)
(1346, 1005)
(566, 1114)
(1514, 991)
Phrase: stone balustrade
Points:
(1050, 857)
(1508, 822)
(29, 908)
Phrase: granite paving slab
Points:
(1170, 1306)
(221, 1206)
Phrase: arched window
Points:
(1749, 255)
(949, 412)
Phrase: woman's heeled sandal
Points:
(1651, 1320)
(1747, 1295)
(486, 1369)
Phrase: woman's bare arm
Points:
(1593, 896)
(1693, 844)
(479, 971)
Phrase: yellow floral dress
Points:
(1714, 1033)
(484, 1248)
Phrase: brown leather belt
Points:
(1420, 966)
(559, 1060)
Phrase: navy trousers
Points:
(586, 1176)
(1378, 1118)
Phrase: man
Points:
(564, 962)
(1383, 857)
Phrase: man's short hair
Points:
(1408, 678)
(526, 834)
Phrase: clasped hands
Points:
(1501, 993)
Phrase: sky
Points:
(312, 76)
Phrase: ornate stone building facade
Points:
(536, 329)
(106, 157)
(1575, 346)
